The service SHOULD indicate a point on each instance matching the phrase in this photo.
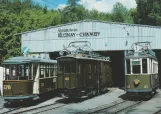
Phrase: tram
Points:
(82, 72)
(141, 70)
(28, 77)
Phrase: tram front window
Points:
(136, 67)
(66, 66)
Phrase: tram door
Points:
(66, 72)
(83, 73)
(70, 73)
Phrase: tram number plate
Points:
(6, 87)
(67, 78)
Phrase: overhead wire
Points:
(50, 2)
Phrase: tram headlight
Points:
(136, 81)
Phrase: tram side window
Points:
(66, 67)
(107, 68)
(155, 68)
(34, 69)
(89, 68)
(53, 70)
(144, 65)
(12, 70)
(22, 70)
(42, 71)
(73, 66)
(79, 68)
(28, 71)
(46, 67)
(128, 66)
(136, 67)
(60, 67)
(6, 72)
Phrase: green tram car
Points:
(83, 73)
(28, 77)
(141, 70)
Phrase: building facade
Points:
(102, 36)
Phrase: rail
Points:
(113, 108)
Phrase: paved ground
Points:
(149, 107)
(72, 108)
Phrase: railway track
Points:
(42, 108)
(158, 112)
(113, 108)
(6, 111)
(35, 110)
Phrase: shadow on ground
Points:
(78, 100)
(135, 97)
(28, 102)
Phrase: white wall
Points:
(101, 35)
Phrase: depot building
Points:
(107, 38)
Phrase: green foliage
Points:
(73, 2)
(45, 9)
(121, 14)
(148, 12)
(72, 14)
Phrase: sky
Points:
(100, 5)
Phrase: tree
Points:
(27, 3)
(148, 12)
(120, 13)
(45, 9)
(72, 14)
(73, 2)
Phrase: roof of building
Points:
(89, 20)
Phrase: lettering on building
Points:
(71, 33)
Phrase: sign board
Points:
(75, 33)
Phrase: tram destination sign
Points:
(74, 33)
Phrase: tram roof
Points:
(97, 59)
(23, 60)
(143, 56)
